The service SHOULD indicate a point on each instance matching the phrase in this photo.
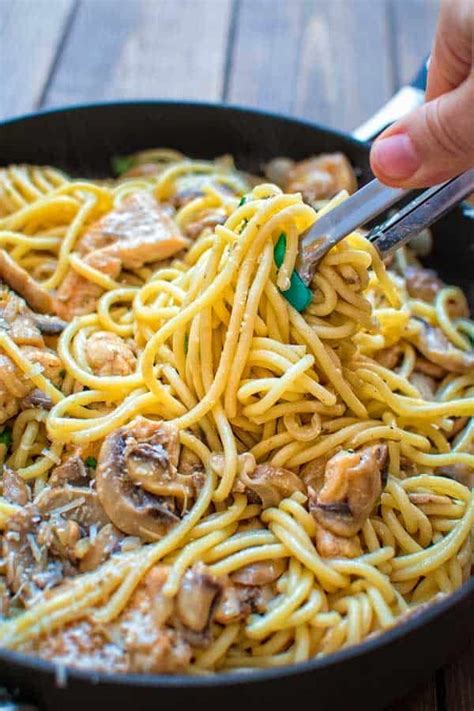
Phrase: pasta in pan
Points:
(198, 477)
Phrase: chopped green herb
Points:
(186, 342)
(91, 462)
(298, 295)
(62, 373)
(120, 164)
(243, 200)
(6, 436)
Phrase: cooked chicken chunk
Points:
(137, 232)
(260, 573)
(344, 496)
(434, 345)
(330, 545)
(108, 354)
(422, 283)
(316, 178)
(425, 385)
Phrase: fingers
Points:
(451, 57)
(430, 145)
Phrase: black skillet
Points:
(81, 140)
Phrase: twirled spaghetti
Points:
(196, 476)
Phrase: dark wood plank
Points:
(414, 23)
(309, 57)
(459, 682)
(420, 699)
(30, 35)
(143, 48)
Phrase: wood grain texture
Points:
(30, 34)
(413, 27)
(459, 681)
(423, 698)
(307, 57)
(143, 48)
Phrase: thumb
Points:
(429, 145)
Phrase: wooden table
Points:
(334, 61)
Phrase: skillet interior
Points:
(81, 140)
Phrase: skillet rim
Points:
(252, 676)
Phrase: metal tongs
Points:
(368, 203)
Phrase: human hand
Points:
(436, 142)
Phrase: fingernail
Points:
(396, 156)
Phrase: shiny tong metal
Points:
(368, 203)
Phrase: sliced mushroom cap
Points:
(270, 485)
(260, 573)
(127, 458)
(15, 489)
(196, 598)
(71, 471)
(77, 503)
(49, 325)
(352, 486)
(99, 550)
(20, 281)
(36, 398)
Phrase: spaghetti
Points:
(196, 476)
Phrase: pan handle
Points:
(405, 100)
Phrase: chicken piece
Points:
(389, 357)
(77, 296)
(13, 384)
(317, 178)
(138, 231)
(237, 602)
(82, 644)
(344, 496)
(422, 283)
(151, 645)
(329, 545)
(20, 281)
(19, 321)
(427, 368)
(15, 489)
(425, 385)
(434, 345)
(137, 478)
(108, 354)
(462, 473)
(209, 219)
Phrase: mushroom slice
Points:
(352, 485)
(20, 281)
(71, 471)
(49, 325)
(262, 572)
(78, 503)
(196, 598)
(99, 550)
(434, 345)
(36, 398)
(15, 489)
(269, 485)
(132, 459)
